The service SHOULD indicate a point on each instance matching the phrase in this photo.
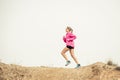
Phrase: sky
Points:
(31, 31)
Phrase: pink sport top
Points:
(69, 39)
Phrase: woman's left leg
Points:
(73, 56)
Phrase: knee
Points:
(72, 55)
(62, 53)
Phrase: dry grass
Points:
(111, 63)
(97, 71)
(118, 68)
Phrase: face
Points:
(67, 30)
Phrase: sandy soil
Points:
(96, 71)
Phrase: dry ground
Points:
(97, 71)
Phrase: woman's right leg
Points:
(63, 53)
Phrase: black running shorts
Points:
(70, 47)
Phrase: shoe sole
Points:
(77, 67)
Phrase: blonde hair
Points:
(69, 28)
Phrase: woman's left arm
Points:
(72, 37)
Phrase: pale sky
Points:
(31, 31)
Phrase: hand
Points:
(63, 36)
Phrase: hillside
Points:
(97, 71)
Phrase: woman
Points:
(69, 40)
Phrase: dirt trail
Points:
(97, 71)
